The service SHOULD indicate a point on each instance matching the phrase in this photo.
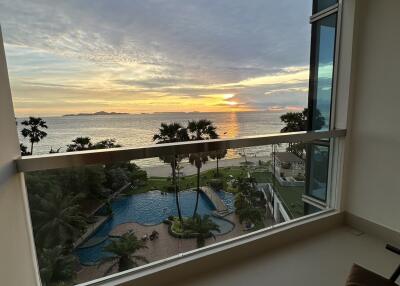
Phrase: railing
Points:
(161, 199)
(92, 157)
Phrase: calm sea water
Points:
(137, 130)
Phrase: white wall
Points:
(17, 266)
(372, 182)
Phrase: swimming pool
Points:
(149, 208)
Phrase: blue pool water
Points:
(149, 209)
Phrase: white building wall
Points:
(372, 185)
(17, 262)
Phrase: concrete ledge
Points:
(385, 233)
(220, 256)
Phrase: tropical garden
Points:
(63, 202)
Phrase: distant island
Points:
(97, 113)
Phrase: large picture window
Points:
(109, 191)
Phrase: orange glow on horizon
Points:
(228, 96)
(232, 103)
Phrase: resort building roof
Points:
(288, 157)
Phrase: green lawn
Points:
(291, 196)
(187, 182)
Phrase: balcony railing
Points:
(92, 157)
(113, 192)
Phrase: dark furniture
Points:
(360, 276)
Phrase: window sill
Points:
(216, 255)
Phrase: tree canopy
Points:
(34, 130)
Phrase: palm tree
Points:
(251, 214)
(107, 144)
(169, 133)
(202, 227)
(123, 250)
(202, 129)
(80, 144)
(198, 159)
(34, 132)
(56, 218)
(217, 155)
(56, 268)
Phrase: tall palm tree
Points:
(198, 159)
(218, 155)
(202, 129)
(169, 133)
(56, 218)
(56, 268)
(202, 227)
(80, 144)
(34, 130)
(123, 252)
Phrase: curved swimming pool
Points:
(149, 208)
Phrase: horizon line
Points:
(277, 110)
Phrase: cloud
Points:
(136, 51)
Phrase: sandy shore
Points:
(188, 169)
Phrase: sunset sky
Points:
(156, 55)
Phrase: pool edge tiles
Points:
(148, 209)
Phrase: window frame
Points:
(335, 163)
(335, 166)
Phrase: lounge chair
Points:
(154, 235)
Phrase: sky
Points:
(142, 56)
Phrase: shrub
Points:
(216, 184)
(170, 189)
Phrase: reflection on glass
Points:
(318, 178)
(320, 5)
(323, 72)
(310, 209)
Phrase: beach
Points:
(188, 169)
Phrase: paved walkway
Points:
(163, 247)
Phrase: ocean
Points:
(137, 130)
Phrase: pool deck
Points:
(163, 247)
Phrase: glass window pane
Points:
(318, 177)
(320, 5)
(310, 209)
(102, 219)
(323, 72)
